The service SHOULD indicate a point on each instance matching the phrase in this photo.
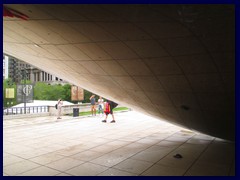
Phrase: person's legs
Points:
(94, 108)
(113, 120)
(99, 109)
(102, 110)
(105, 120)
(59, 113)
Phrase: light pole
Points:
(24, 74)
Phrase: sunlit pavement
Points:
(136, 145)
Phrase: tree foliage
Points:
(43, 91)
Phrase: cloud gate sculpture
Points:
(175, 62)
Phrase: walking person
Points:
(93, 104)
(108, 109)
(100, 105)
(59, 108)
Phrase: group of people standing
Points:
(103, 107)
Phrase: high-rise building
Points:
(16, 70)
(5, 67)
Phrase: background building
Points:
(15, 69)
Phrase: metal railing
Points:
(29, 110)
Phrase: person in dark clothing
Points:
(108, 109)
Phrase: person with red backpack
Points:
(108, 109)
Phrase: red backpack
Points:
(107, 108)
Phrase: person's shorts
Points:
(109, 112)
(93, 106)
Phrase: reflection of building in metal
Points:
(37, 75)
(13, 68)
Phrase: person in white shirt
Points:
(100, 105)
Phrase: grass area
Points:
(120, 109)
(114, 110)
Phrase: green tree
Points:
(43, 91)
(67, 92)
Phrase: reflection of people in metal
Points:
(93, 104)
(59, 108)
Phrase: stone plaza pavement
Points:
(136, 145)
